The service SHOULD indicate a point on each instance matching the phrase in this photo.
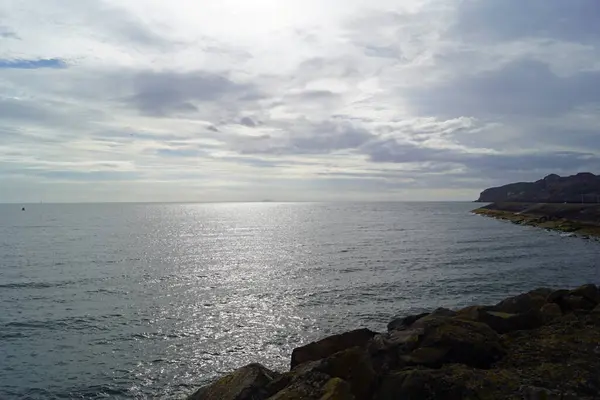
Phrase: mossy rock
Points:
(337, 389)
(245, 383)
(468, 342)
(522, 303)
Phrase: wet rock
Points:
(399, 324)
(468, 342)
(589, 292)
(331, 345)
(550, 311)
(245, 383)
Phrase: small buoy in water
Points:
(23, 209)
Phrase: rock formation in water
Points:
(583, 187)
(544, 344)
(575, 218)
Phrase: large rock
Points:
(333, 389)
(354, 366)
(416, 384)
(502, 322)
(550, 311)
(589, 292)
(310, 385)
(309, 379)
(245, 383)
(399, 324)
(331, 345)
(337, 389)
(467, 342)
(522, 303)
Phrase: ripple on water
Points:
(150, 301)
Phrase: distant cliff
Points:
(583, 187)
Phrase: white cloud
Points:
(252, 99)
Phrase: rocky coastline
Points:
(579, 219)
(544, 344)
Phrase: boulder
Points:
(310, 385)
(423, 384)
(543, 292)
(503, 322)
(331, 345)
(353, 366)
(245, 383)
(550, 311)
(589, 292)
(427, 356)
(386, 349)
(337, 389)
(399, 324)
(572, 302)
(467, 342)
(522, 303)
(332, 389)
(556, 296)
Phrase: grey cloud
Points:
(20, 110)
(7, 33)
(524, 87)
(249, 122)
(390, 151)
(162, 93)
(303, 137)
(573, 20)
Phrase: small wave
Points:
(29, 285)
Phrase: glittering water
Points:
(149, 301)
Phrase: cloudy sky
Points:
(201, 100)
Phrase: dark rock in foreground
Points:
(544, 344)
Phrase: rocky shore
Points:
(580, 219)
(544, 344)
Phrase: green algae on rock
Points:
(480, 352)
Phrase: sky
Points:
(328, 100)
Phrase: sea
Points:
(140, 301)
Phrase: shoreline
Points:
(581, 220)
(543, 344)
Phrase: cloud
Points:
(107, 100)
(6, 33)
(249, 122)
(162, 93)
(513, 20)
(33, 64)
(523, 87)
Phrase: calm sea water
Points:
(151, 300)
